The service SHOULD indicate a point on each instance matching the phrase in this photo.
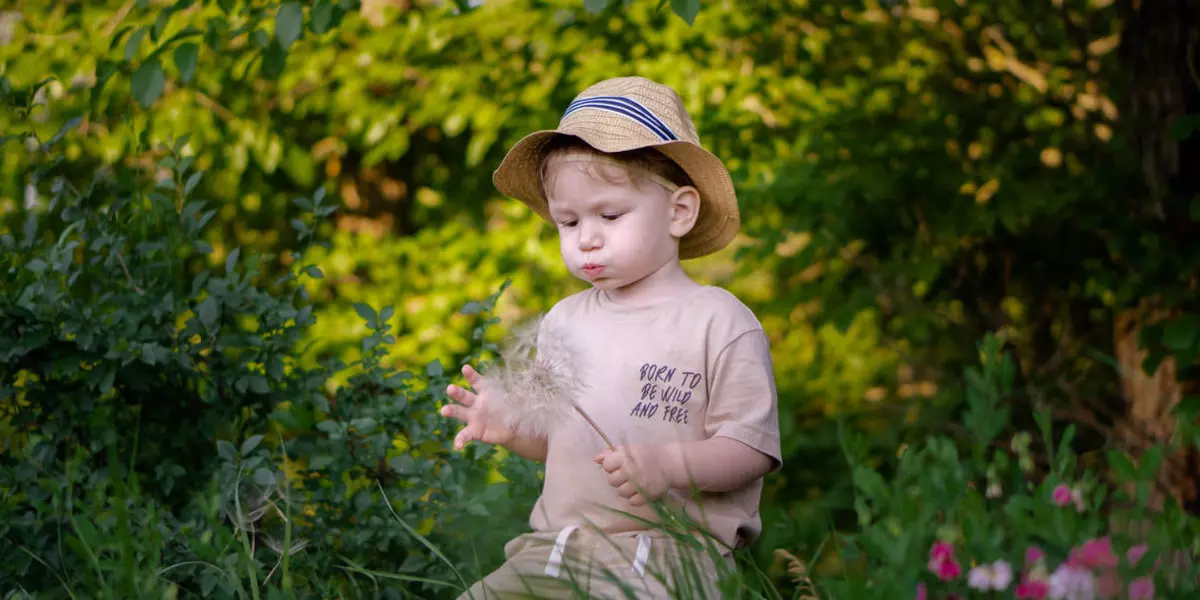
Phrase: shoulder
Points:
(725, 314)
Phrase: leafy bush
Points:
(161, 430)
(990, 524)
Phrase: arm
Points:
(527, 448)
(718, 464)
(644, 472)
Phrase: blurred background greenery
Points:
(911, 176)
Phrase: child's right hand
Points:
(472, 409)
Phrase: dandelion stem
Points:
(587, 418)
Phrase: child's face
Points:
(614, 235)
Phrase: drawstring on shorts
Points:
(554, 564)
(556, 555)
(642, 555)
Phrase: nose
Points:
(590, 237)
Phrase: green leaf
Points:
(365, 311)
(686, 9)
(259, 385)
(106, 382)
(1150, 462)
(364, 424)
(231, 260)
(207, 311)
(320, 461)
(250, 444)
(226, 450)
(274, 59)
(1120, 463)
(147, 83)
(192, 182)
(37, 265)
(322, 16)
(1182, 334)
(134, 43)
(185, 60)
(386, 314)
(471, 308)
(68, 126)
(289, 23)
(595, 6)
(434, 369)
(264, 476)
(314, 271)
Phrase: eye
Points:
(569, 223)
(612, 216)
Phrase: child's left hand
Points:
(637, 472)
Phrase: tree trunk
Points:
(1160, 55)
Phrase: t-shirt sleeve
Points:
(743, 402)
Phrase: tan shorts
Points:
(579, 563)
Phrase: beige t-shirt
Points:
(686, 370)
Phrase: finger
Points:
(627, 490)
(473, 376)
(618, 479)
(460, 395)
(455, 411)
(612, 462)
(467, 435)
(637, 500)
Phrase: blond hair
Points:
(640, 166)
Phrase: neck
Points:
(663, 283)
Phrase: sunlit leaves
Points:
(185, 60)
(289, 23)
(147, 82)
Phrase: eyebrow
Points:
(601, 203)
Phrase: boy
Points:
(678, 373)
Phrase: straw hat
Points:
(628, 113)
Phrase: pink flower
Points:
(1033, 554)
(942, 563)
(921, 591)
(1135, 553)
(1141, 588)
(941, 551)
(1061, 495)
(948, 570)
(1032, 590)
(1092, 554)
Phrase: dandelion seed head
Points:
(538, 381)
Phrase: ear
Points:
(685, 209)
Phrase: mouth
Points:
(592, 270)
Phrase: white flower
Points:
(1070, 583)
(994, 490)
(995, 576)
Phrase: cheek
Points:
(566, 244)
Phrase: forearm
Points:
(528, 448)
(717, 464)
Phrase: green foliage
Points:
(161, 430)
(911, 177)
(995, 507)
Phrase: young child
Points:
(678, 374)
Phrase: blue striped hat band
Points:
(627, 108)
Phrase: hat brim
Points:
(719, 218)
